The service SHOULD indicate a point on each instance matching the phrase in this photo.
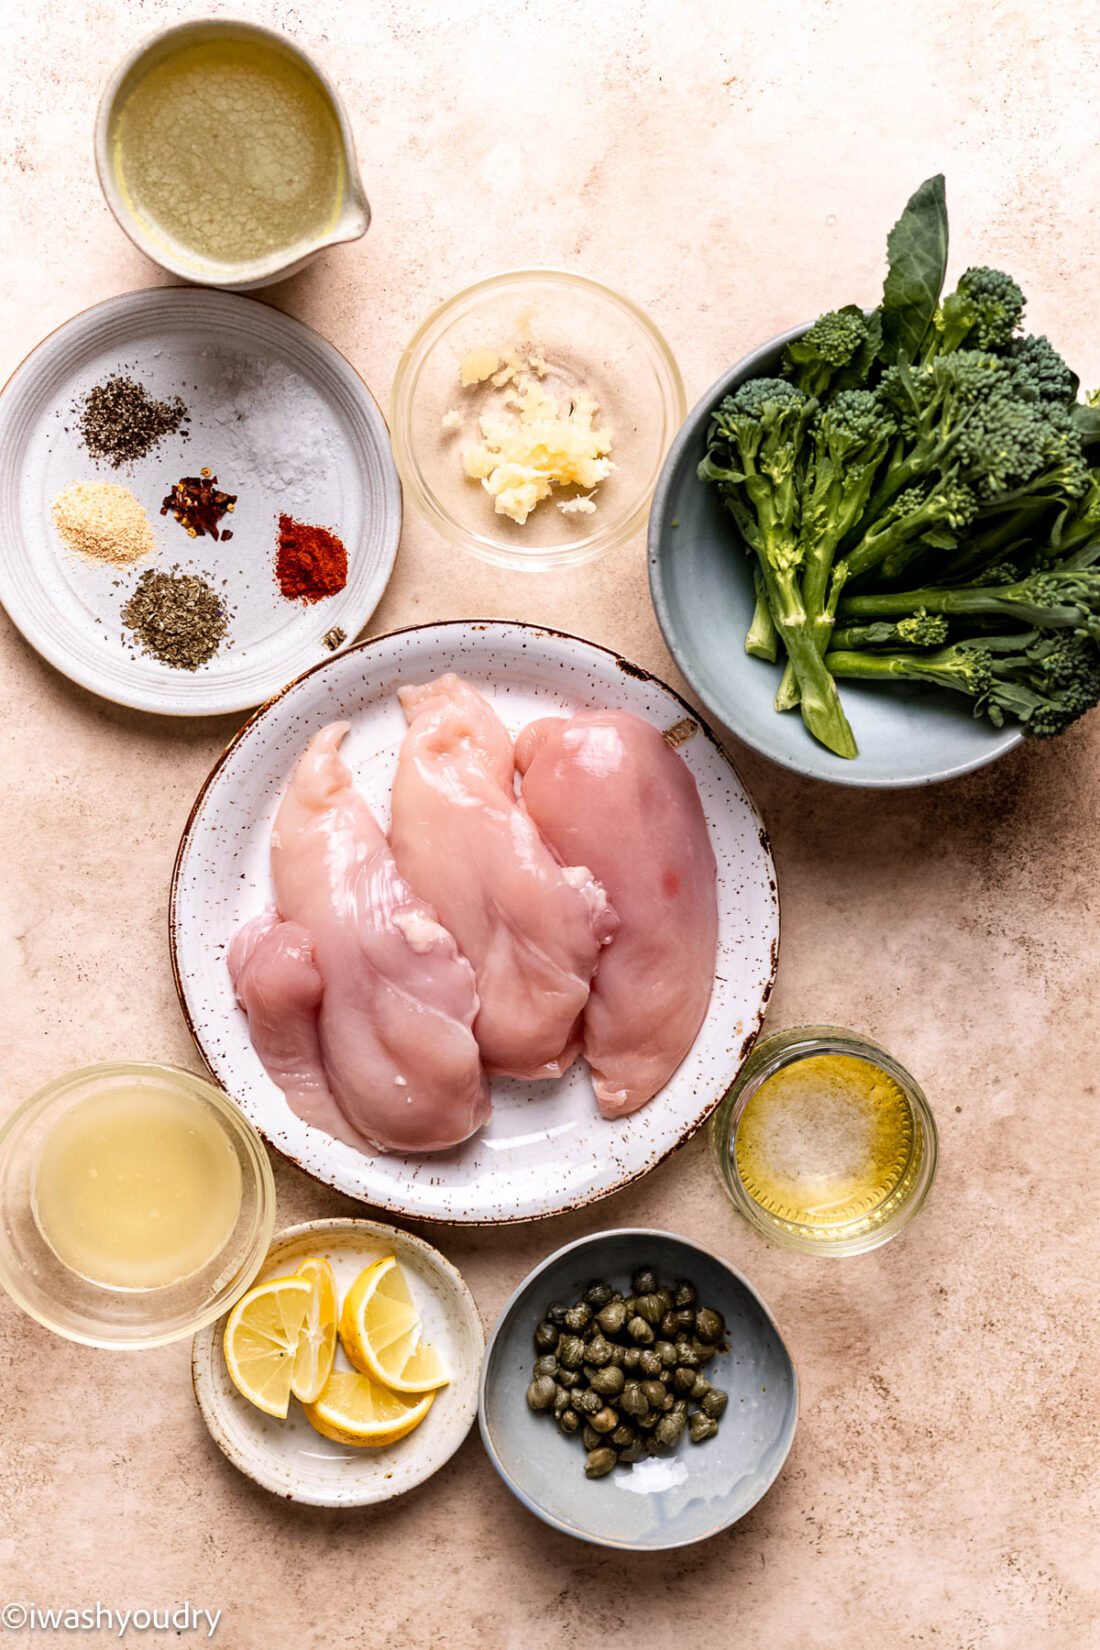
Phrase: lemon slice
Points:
(317, 1341)
(380, 1332)
(261, 1341)
(354, 1409)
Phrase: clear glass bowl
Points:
(93, 1313)
(593, 340)
(882, 1221)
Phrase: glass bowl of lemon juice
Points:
(824, 1142)
(136, 1204)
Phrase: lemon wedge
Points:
(354, 1409)
(261, 1341)
(317, 1340)
(380, 1332)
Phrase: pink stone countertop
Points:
(733, 168)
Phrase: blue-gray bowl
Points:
(701, 583)
(661, 1502)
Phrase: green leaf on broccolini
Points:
(917, 249)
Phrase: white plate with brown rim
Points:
(287, 1456)
(282, 421)
(546, 1148)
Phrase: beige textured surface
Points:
(733, 167)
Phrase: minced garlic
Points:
(530, 445)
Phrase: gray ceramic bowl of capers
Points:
(626, 1476)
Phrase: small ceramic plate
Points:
(289, 1457)
(546, 1148)
(668, 1501)
(276, 414)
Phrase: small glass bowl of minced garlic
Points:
(824, 1142)
(531, 415)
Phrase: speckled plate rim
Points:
(644, 1234)
(749, 366)
(393, 505)
(203, 1349)
(755, 1022)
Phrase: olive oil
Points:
(137, 1187)
(826, 1143)
(229, 151)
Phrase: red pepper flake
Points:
(310, 562)
(198, 506)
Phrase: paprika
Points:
(310, 562)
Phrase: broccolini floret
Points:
(834, 342)
(1040, 370)
(915, 630)
(984, 310)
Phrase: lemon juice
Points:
(137, 1187)
(229, 151)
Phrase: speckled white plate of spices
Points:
(546, 1149)
(289, 1457)
(282, 421)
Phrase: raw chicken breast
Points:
(604, 788)
(398, 1000)
(532, 928)
(278, 986)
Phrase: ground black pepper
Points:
(120, 421)
(177, 617)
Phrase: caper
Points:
(568, 1377)
(668, 1326)
(588, 1401)
(609, 1381)
(577, 1317)
(569, 1421)
(599, 1351)
(665, 1298)
(680, 1407)
(599, 1462)
(685, 1293)
(590, 1438)
(647, 1421)
(703, 1350)
(685, 1321)
(709, 1325)
(714, 1402)
(684, 1379)
(632, 1356)
(541, 1392)
(546, 1336)
(546, 1365)
(605, 1420)
(618, 1356)
(632, 1452)
(666, 1352)
(633, 1400)
(623, 1435)
(555, 1312)
(649, 1307)
(701, 1426)
(597, 1295)
(656, 1392)
(686, 1355)
(644, 1281)
(640, 1332)
(650, 1365)
(571, 1352)
(561, 1400)
(668, 1432)
(699, 1387)
(612, 1317)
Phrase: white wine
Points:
(229, 151)
(137, 1187)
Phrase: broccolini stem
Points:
(822, 711)
(761, 640)
(1005, 601)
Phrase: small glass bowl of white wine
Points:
(137, 1203)
(824, 1142)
